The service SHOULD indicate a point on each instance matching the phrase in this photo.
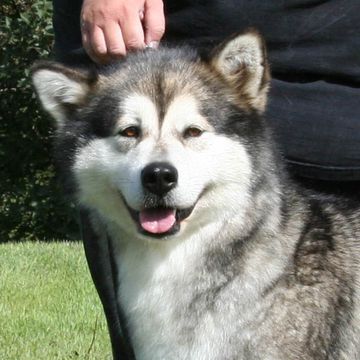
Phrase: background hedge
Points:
(32, 205)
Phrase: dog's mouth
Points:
(159, 221)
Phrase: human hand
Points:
(110, 28)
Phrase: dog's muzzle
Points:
(157, 218)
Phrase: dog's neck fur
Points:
(177, 284)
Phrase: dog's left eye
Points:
(192, 131)
(130, 132)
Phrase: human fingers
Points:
(100, 29)
(132, 29)
(95, 45)
(154, 22)
(114, 41)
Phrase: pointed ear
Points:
(242, 62)
(61, 90)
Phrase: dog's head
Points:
(160, 143)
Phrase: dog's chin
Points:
(159, 222)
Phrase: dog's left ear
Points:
(62, 89)
(242, 62)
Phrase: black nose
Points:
(159, 177)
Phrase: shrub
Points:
(31, 203)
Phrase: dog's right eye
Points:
(130, 132)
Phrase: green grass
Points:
(49, 308)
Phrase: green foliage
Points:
(31, 203)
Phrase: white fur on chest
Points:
(157, 285)
(162, 294)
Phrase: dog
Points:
(218, 254)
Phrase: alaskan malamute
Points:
(218, 255)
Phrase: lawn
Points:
(48, 305)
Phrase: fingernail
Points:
(153, 44)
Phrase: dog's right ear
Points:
(61, 89)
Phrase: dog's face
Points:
(158, 143)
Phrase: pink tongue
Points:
(157, 221)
